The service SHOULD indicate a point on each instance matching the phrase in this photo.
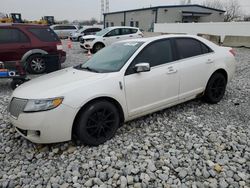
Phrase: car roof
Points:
(118, 27)
(166, 36)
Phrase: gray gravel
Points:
(189, 145)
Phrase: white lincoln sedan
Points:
(121, 82)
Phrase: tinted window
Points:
(205, 49)
(190, 47)
(133, 30)
(114, 32)
(12, 36)
(64, 27)
(126, 31)
(45, 34)
(156, 53)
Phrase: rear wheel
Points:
(36, 64)
(216, 88)
(97, 123)
(97, 47)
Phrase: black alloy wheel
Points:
(216, 88)
(97, 123)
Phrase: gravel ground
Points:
(189, 145)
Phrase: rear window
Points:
(45, 34)
(12, 35)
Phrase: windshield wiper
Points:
(89, 69)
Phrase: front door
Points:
(149, 91)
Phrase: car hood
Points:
(90, 37)
(56, 84)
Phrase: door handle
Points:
(130, 35)
(117, 37)
(209, 61)
(171, 70)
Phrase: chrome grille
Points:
(17, 106)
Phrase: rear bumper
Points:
(62, 57)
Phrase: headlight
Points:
(36, 105)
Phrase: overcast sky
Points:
(82, 9)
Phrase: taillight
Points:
(232, 51)
(59, 47)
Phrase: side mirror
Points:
(142, 67)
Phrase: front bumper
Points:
(45, 127)
(87, 45)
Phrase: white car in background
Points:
(75, 36)
(63, 30)
(108, 36)
(124, 81)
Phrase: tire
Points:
(216, 88)
(97, 47)
(16, 83)
(36, 64)
(79, 38)
(97, 123)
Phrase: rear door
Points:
(196, 62)
(13, 44)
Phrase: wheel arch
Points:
(220, 70)
(109, 99)
(99, 42)
(32, 52)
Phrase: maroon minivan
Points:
(28, 43)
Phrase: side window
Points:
(12, 36)
(205, 49)
(133, 31)
(112, 33)
(156, 53)
(58, 28)
(69, 27)
(188, 47)
(44, 34)
(125, 31)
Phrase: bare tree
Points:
(232, 8)
(213, 4)
(185, 2)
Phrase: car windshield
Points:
(111, 58)
(102, 32)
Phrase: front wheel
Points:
(97, 123)
(216, 88)
(97, 47)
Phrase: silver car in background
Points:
(63, 30)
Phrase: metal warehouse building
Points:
(146, 17)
